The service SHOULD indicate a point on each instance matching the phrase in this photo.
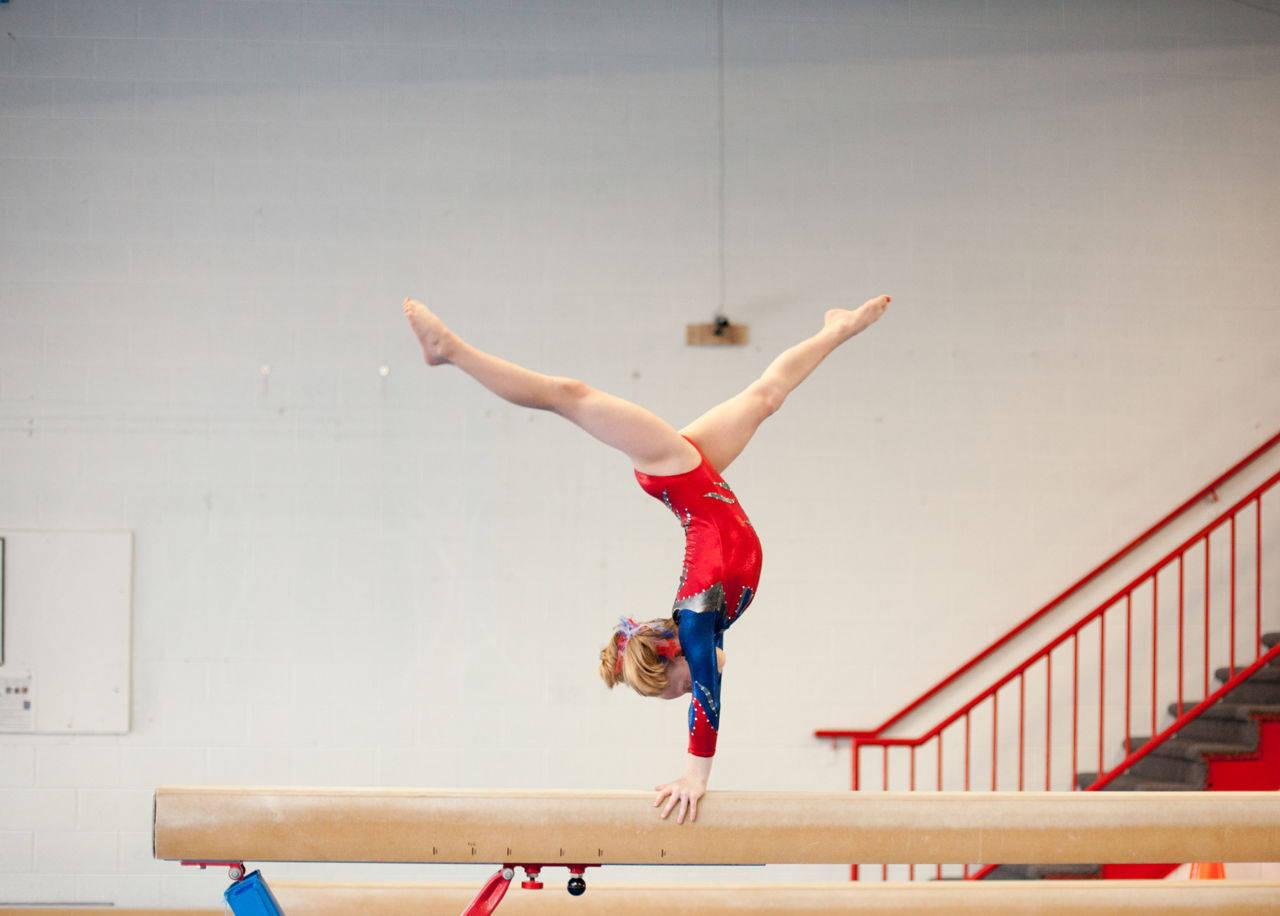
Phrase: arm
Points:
(698, 640)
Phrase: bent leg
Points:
(724, 430)
(651, 443)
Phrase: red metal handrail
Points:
(1079, 584)
(1095, 622)
(1071, 632)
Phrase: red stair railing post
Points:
(938, 781)
(968, 750)
(1155, 647)
(1048, 719)
(1022, 726)
(1075, 710)
(1128, 667)
(995, 731)
(1257, 578)
(1102, 683)
(1206, 614)
(1232, 668)
(1181, 631)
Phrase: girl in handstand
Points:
(681, 653)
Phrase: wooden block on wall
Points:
(704, 335)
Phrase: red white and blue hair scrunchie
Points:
(668, 647)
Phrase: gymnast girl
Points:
(681, 653)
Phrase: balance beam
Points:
(279, 824)
(317, 898)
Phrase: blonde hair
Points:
(643, 669)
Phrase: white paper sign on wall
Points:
(68, 625)
(17, 704)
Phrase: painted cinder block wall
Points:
(354, 570)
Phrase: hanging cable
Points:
(720, 138)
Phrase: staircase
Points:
(1233, 744)
(1084, 694)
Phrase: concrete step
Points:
(1184, 761)
(1191, 749)
(1127, 782)
(1224, 708)
(1267, 674)
(1225, 722)
(1167, 765)
(1262, 693)
(1255, 690)
(1043, 871)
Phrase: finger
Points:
(663, 792)
(671, 803)
(684, 806)
(693, 810)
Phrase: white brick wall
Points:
(350, 578)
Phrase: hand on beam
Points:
(686, 790)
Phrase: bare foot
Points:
(848, 322)
(435, 338)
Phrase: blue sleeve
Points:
(699, 637)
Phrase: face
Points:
(678, 680)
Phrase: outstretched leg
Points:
(651, 443)
(724, 430)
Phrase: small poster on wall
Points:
(67, 621)
(17, 704)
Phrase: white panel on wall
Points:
(67, 620)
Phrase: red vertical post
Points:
(1022, 723)
(1257, 576)
(1181, 631)
(1155, 644)
(1048, 718)
(1128, 667)
(995, 729)
(1232, 653)
(1206, 614)
(1075, 708)
(1102, 684)
(939, 761)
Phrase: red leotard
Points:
(721, 572)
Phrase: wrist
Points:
(698, 768)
